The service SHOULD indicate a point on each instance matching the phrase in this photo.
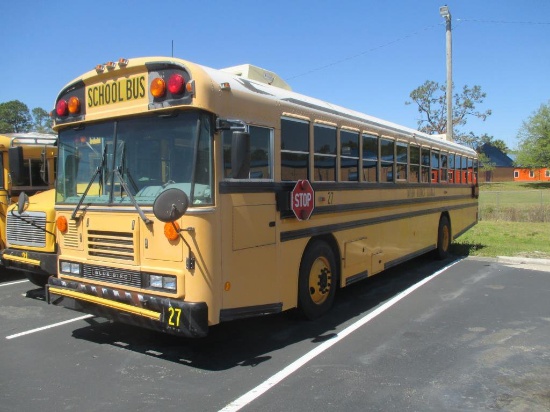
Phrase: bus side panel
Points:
(463, 219)
(250, 275)
(290, 253)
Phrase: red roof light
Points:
(62, 108)
(176, 84)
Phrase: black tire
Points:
(443, 238)
(37, 279)
(318, 280)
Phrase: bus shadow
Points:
(465, 249)
(248, 342)
(9, 275)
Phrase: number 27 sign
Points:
(302, 200)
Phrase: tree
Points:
(431, 99)
(534, 136)
(42, 121)
(490, 140)
(14, 117)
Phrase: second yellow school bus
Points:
(188, 196)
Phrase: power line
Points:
(345, 59)
(408, 36)
(505, 22)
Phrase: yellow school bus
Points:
(188, 196)
(28, 168)
(30, 237)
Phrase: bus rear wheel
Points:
(317, 281)
(443, 238)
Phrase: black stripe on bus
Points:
(328, 229)
(228, 187)
(385, 203)
(410, 256)
(357, 278)
(250, 311)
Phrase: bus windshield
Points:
(104, 161)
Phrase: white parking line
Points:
(14, 283)
(48, 327)
(293, 367)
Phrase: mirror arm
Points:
(190, 260)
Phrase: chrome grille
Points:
(113, 245)
(112, 275)
(28, 229)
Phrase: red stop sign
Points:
(302, 199)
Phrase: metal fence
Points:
(515, 206)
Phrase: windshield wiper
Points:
(126, 171)
(98, 171)
(123, 183)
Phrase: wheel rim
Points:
(320, 280)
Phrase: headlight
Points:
(163, 282)
(170, 283)
(156, 281)
(70, 268)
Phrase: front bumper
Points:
(44, 263)
(175, 317)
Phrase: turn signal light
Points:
(171, 230)
(158, 87)
(62, 224)
(74, 105)
(61, 108)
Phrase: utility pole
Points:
(446, 14)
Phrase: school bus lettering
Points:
(118, 91)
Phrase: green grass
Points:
(514, 222)
(491, 238)
(507, 186)
(515, 201)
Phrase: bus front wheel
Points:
(443, 238)
(317, 280)
(37, 279)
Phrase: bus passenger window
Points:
(414, 169)
(324, 163)
(425, 168)
(464, 171)
(294, 149)
(387, 158)
(402, 159)
(370, 158)
(435, 166)
(349, 155)
(451, 168)
(444, 167)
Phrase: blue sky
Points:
(366, 55)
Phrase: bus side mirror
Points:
(17, 165)
(22, 203)
(240, 155)
(170, 205)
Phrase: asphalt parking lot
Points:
(459, 335)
